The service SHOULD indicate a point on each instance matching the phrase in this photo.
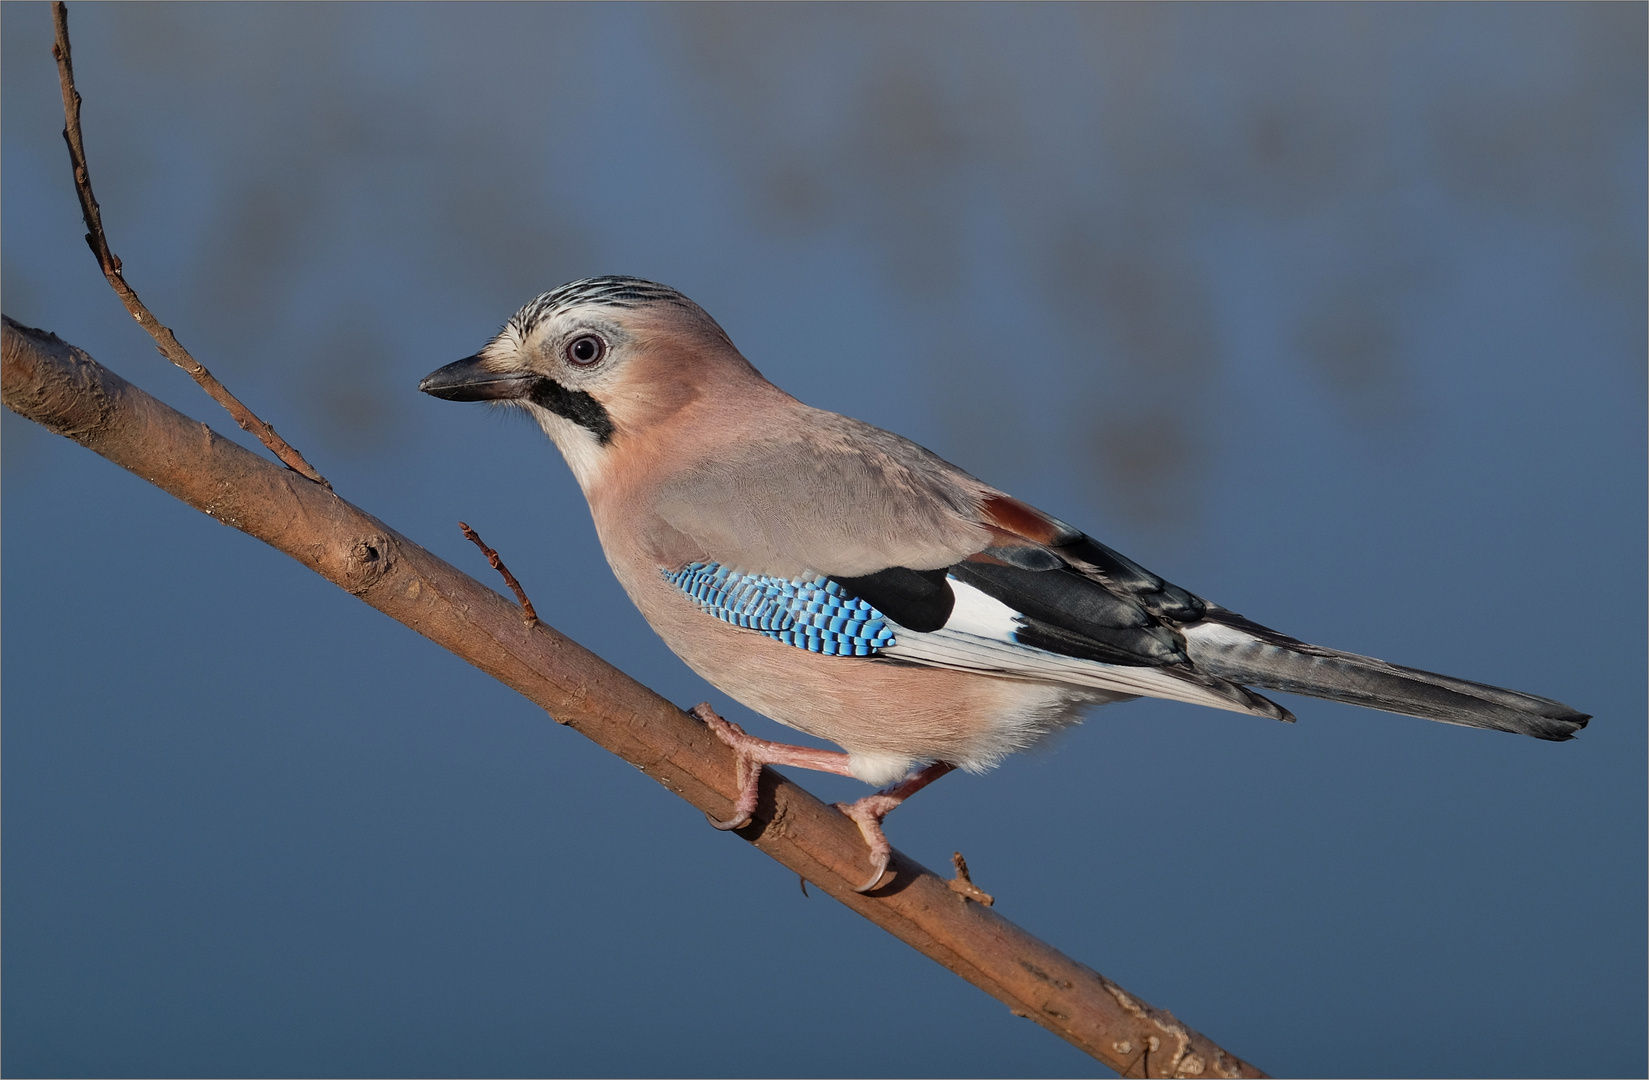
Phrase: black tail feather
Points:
(1226, 645)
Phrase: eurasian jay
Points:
(848, 583)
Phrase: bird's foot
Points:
(747, 765)
(750, 754)
(868, 813)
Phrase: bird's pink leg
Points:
(869, 811)
(751, 753)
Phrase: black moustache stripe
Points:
(575, 405)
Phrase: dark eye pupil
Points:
(586, 350)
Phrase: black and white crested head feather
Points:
(611, 291)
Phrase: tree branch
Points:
(56, 385)
(165, 340)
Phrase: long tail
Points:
(1231, 647)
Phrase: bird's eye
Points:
(586, 349)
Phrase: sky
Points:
(1334, 315)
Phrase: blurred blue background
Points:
(1333, 314)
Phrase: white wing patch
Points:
(1218, 635)
(979, 636)
(977, 615)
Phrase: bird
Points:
(851, 584)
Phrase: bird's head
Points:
(598, 361)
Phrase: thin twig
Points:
(165, 340)
(963, 883)
(528, 615)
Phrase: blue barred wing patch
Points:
(813, 614)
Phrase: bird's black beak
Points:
(467, 380)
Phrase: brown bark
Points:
(54, 384)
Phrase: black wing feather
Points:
(1161, 598)
(918, 599)
(1068, 613)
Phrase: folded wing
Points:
(1046, 601)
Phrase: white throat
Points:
(584, 454)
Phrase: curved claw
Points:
(735, 822)
(875, 878)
